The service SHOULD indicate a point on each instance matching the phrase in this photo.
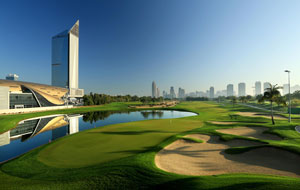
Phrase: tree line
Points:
(99, 99)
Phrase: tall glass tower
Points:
(65, 47)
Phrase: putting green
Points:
(112, 142)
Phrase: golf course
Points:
(224, 146)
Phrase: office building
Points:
(257, 88)
(65, 51)
(211, 92)
(154, 89)
(181, 93)
(19, 94)
(230, 90)
(12, 77)
(157, 93)
(242, 89)
(172, 93)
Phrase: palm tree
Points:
(272, 94)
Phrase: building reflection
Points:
(60, 125)
(153, 113)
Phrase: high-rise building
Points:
(211, 92)
(65, 49)
(266, 85)
(157, 93)
(154, 89)
(165, 94)
(230, 90)
(14, 77)
(257, 88)
(242, 89)
(181, 93)
(172, 93)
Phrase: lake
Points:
(34, 132)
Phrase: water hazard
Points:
(34, 132)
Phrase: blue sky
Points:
(126, 44)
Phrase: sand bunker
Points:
(209, 158)
(222, 122)
(252, 132)
(257, 114)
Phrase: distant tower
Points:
(211, 92)
(172, 93)
(257, 88)
(230, 90)
(157, 93)
(242, 89)
(12, 77)
(154, 90)
(266, 85)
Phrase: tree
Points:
(272, 94)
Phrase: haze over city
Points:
(125, 46)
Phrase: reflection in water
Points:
(60, 125)
(153, 113)
(95, 116)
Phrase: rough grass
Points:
(121, 156)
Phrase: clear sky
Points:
(126, 44)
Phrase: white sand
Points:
(253, 132)
(208, 158)
(257, 114)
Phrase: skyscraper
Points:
(230, 90)
(242, 89)
(172, 93)
(157, 92)
(181, 93)
(211, 92)
(154, 90)
(65, 52)
(257, 88)
(266, 85)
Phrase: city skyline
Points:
(115, 51)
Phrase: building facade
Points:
(65, 52)
(30, 95)
(211, 92)
(242, 89)
(154, 89)
(257, 88)
(172, 93)
(230, 90)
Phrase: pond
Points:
(34, 132)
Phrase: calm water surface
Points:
(35, 132)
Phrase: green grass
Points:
(121, 156)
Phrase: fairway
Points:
(122, 155)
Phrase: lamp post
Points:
(289, 94)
